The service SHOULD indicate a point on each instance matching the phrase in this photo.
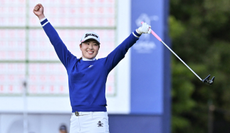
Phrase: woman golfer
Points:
(87, 75)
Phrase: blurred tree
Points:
(200, 34)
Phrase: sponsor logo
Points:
(90, 66)
(86, 35)
(100, 124)
(144, 46)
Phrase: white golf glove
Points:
(145, 28)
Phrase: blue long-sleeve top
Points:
(87, 79)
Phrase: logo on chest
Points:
(90, 66)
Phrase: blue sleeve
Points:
(119, 52)
(61, 50)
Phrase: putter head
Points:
(207, 81)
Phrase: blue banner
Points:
(147, 59)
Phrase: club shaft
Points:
(158, 38)
(181, 60)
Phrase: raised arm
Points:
(119, 53)
(63, 53)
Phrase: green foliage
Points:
(181, 93)
(200, 34)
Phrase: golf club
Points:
(205, 80)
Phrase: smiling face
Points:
(89, 48)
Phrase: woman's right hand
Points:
(39, 11)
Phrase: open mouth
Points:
(90, 52)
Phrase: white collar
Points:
(85, 59)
